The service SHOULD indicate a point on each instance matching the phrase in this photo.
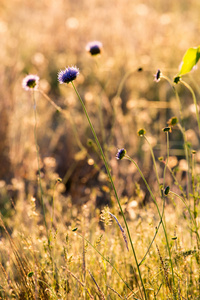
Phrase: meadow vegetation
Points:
(99, 168)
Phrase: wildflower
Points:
(94, 48)
(30, 82)
(121, 153)
(68, 75)
(157, 76)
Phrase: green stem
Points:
(154, 161)
(161, 219)
(67, 116)
(113, 186)
(195, 214)
(107, 260)
(165, 168)
(188, 208)
(38, 161)
(176, 94)
(194, 99)
(144, 257)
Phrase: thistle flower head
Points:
(157, 76)
(68, 75)
(94, 48)
(121, 153)
(30, 82)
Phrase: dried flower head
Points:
(173, 121)
(177, 79)
(68, 75)
(167, 129)
(141, 132)
(121, 153)
(166, 191)
(157, 76)
(30, 82)
(94, 48)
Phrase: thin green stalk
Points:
(182, 129)
(154, 161)
(67, 116)
(165, 168)
(190, 213)
(181, 126)
(175, 180)
(176, 94)
(166, 164)
(107, 260)
(194, 99)
(164, 229)
(158, 181)
(144, 257)
(195, 211)
(38, 161)
(113, 186)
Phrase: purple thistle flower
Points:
(94, 48)
(68, 75)
(121, 153)
(30, 82)
(122, 230)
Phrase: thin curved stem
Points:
(194, 99)
(151, 193)
(112, 184)
(38, 162)
(188, 208)
(154, 161)
(107, 260)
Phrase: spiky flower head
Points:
(157, 76)
(94, 48)
(30, 82)
(121, 153)
(68, 75)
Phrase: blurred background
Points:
(117, 86)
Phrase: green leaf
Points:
(190, 59)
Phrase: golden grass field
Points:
(58, 239)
